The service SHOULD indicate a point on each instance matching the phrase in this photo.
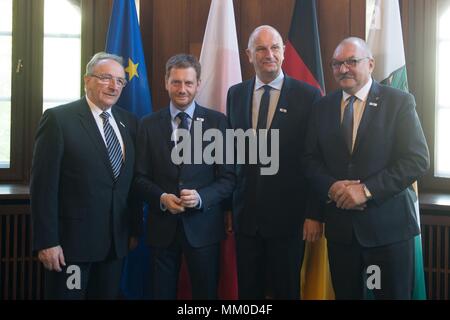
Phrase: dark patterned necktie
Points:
(347, 123)
(113, 145)
(264, 108)
(183, 116)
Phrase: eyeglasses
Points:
(107, 78)
(349, 63)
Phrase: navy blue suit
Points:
(389, 154)
(269, 210)
(195, 230)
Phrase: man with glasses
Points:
(82, 208)
(365, 148)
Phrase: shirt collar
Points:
(189, 110)
(276, 83)
(361, 94)
(95, 109)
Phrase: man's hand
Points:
(52, 258)
(189, 198)
(338, 188)
(353, 197)
(172, 203)
(312, 230)
(133, 243)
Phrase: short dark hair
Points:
(183, 61)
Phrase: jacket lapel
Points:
(166, 130)
(247, 107)
(282, 105)
(88, 122)
(372, 105)
(126, 138)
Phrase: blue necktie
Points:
(347, 123)
(264, 108)
(113, 145)
(183, 116)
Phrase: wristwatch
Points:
(367, 192)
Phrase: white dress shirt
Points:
(258, 91)
(358, 106)
(96, 111)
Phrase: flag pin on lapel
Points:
(374, 104)
(283, 110)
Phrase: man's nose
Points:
(343, 68)
(182, 88)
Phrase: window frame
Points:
(27, 86)
(419, 19)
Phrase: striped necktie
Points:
(112, 144)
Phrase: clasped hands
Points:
(348, 194)
(189, 198)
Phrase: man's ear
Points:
(249, 55)
(372, 64)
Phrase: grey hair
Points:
(100, 56)
(255, 32)
(358, 42)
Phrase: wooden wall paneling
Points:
(170, 36)
(357, 18)
(198, 15)
(175, 26)
(250, 13)
(332, 30)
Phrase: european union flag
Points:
(124, 39)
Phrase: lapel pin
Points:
(122, 124)
(373, 104)
(283, 110)
(199, 119)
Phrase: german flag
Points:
(302, 61)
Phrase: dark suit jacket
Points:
(281, 198)
(156, 174)
(390, 153)
(74, 200)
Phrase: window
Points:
(5, 81)
(62, 52)
(44, 46)
(442, 129)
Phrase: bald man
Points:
(270, 211)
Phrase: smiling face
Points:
(104, 95)
(266, 53)
(352, 78)
(182, 86)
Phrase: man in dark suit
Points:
(186, 214)
(80, 187)
(269, 210)
(365, 148)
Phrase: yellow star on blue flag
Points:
(132, 69)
